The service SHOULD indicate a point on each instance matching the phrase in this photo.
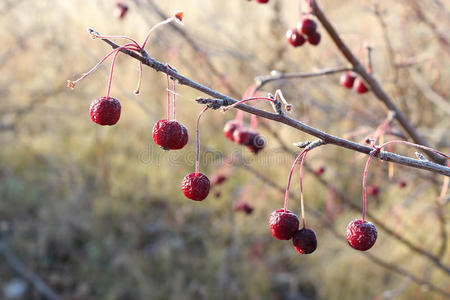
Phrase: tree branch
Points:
(224, 100)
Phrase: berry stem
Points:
(309, 8)
(197, 132)
(95, 35)
(138, 88)
(286, 196)
(301, 189)
(168, 93)
(166, 21)
(174, 99)
(108, 91)
(246, 100)
(254, 123)
(366, 169)
(239, 117)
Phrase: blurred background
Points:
(95, 212)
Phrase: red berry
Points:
(229, 129)
(262, 1)
(283, 224)
(360, 87)
(121, 10)
(170, 135)
(305, 241)
(314, 39)
(256, 143)
(105, 111)
(361, 235)
(243, 206)
(402, 184)
(295, 38)
(348, 79)
(307, 26)
(373, 190)
(195, 186)
(319, 171)
(218, 179)
(242, 136)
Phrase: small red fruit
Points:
(195, 186)
(307, 26)
(241, 136)
(360, 86)
(295, 38)
(373, 190)
(361, 235)
(257, 143)
(121, 10)
(348, 79)
(243, 206)
(229, 129)
(305, 241)
(314, 39)
(262, 1)
(218, 179)
(402, 184)
(283, 224)
(320, 170)
(170, 135)
(105, 111)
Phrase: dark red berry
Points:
(195, 186)
(307, 26)
(360, 87)
(314, 39)
(295, 38)
(241, 136)
(170, 135)
(373, 190)
(348, 79)
(256, 143)
(320, 170)
(229, 129)
(283, 224)
(121, 10)
(361, 235)
(305, 241)
(217, 194)
(218, 179)
(243, 206)
(262, 1)
(105, 111)
(402, 184)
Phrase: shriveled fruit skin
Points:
(105, 111)
(195, 186)
(305, 241)
(241, 136)
(314, 39)
(307, 26)
(283, 224)
(361, 235)
(170, 134)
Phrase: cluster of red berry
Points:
(349, 81)
(236, 132)
(306, 27)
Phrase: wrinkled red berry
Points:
(195, 186)
(402, 184)
(295, 38)
(361, 235)
(218, 179)
(373, 190)
(229, 129)
(105, 111)
(314, 39)
(283, 224)
(348, 79)
(241, 136)
(305, 241)
(256, 143)
(307, 26)
(262, 1)
(360, 87)
(243, 206)
(170, 135)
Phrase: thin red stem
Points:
(239, 117)
(286, 196)
(301, 189)
(154, 27)
(95, 35)
(309, 8)
(138, 89)
(197, 132)
(174, 99)
(254, 123)
(246, 100)
(108, 91)
(365, 181)
(168, 93)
